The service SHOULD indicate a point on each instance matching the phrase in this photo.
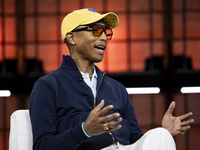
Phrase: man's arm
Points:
(44, 120)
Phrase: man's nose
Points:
(103, 36)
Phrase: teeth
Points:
(101, 47)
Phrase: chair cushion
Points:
(20, 131)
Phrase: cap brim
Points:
(111, 20)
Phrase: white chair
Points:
(20, 131)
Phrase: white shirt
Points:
(91, 83)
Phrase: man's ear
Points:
(70, 38)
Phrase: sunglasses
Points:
(97, 30)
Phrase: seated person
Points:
(78, 107)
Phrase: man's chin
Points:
(99, 59)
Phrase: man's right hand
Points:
(95, 122)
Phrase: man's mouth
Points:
(100, 48)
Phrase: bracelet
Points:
(84, 130)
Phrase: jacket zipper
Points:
(98, 89)
(114, 143)
(94, 104)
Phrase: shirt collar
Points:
(94, 75)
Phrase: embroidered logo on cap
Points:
(90, 9)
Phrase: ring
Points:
(181, 132)
(105, 127)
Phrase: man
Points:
(79, 107)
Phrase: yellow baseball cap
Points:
(87, 16)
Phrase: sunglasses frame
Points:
(92, 26)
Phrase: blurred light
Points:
(5, 93)
(195, 89)
(143, 90)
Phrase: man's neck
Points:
(86, 69)
(85, 66)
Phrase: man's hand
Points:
(95, 121)
(172, 123)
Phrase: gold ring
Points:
(105, 127)
(181, 132)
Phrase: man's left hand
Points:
(174, 124)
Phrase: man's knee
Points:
(158, 138)
(160, 130)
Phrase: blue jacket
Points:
(60, 101)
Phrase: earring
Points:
(73, 43)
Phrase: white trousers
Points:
(155, 139)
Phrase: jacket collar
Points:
(69, 64)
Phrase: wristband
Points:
(84, 130)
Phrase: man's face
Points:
(89, 47)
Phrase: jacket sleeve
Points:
(129, 115)
(44, 120)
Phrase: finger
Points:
(186, 115)
(171, 108)
(99, 106)
(185, 128)
(110, 117)
(184, 123)
(115, 128)
(114, 122)
(105, 110)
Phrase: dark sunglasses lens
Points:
(97, 30)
